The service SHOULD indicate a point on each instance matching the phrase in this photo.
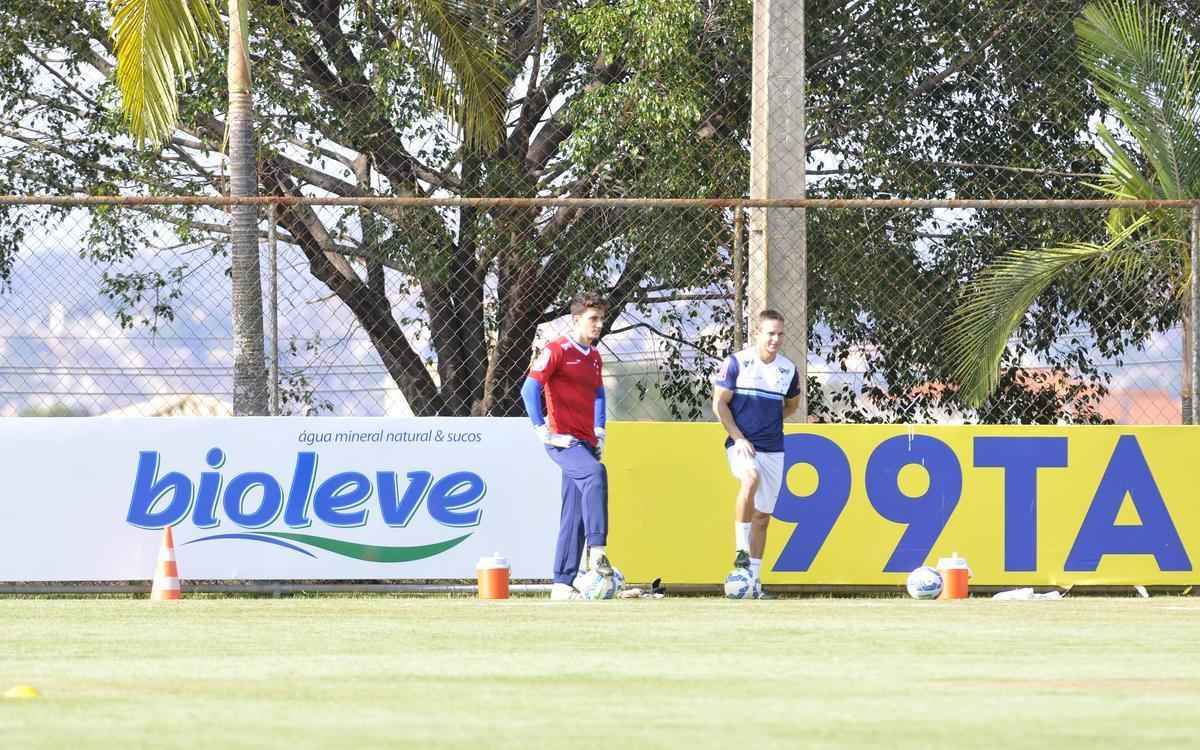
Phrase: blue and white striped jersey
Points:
(759, 390)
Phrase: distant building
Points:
(194, 405)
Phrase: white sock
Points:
(755, 566)
(594, 554)
(741, 536)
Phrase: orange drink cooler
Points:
(955, 575)
(492, 574)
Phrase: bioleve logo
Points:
(339, 501)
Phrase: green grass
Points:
(690, 673)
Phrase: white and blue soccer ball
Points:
(739, 584)
(924, 583)
(592, 585)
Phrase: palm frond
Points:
(157, 42)
(993, 304)
(1123, 180)
(461, 70)
(1147, 71)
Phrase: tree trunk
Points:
(522, 303)
(464, 365)
(250, 391)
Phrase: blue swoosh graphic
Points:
(253, 538)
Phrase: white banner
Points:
(274, 498)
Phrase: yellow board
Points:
(864, 504)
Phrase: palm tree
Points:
(160, 41)
(1144, 67)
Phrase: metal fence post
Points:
(739, 313)
(1193, 314)
(272, 241)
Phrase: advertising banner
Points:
(866, 504)
(274, 498)
(335, 498)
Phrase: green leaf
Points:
(459, 66)
(157, 42)
(1147, 71)
(993, 304)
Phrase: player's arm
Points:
(600, 418)
(532, 391)
(531, 394)
(722, 397)
(791, 402)
(724, 381)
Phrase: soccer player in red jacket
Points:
(567, 374)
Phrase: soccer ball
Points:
(924, 583)
(594, 586)
(739, 584)
(618, 581)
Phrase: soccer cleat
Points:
(564, 592)
(742, 560)
(603, 566)
(759, 593)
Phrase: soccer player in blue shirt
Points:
(753, 392)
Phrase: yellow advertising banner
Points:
(866, 504)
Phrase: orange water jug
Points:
(955, 575)
(492, 574)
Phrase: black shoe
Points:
(742, 560)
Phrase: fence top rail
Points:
(511, 202)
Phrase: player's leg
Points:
(758, 539)
(770, 473)
(746, 472)
(580, 465)
(570, 540)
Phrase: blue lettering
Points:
(341, 492)
(400, 513)
(303, 478)
(148, 488)
(205, 515)
(815, 514)
(1020, 457)
(454, 493)
(256, 499)
(926, 515)
(1099, 535)
(268, 509)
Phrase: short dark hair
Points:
(770, 314)
(588, 302)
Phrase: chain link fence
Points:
(418, 308)
(149, 332)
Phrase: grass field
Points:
(693, 673)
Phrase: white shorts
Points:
(770, 476)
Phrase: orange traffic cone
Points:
(166, 574)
